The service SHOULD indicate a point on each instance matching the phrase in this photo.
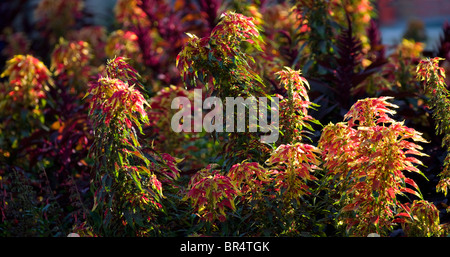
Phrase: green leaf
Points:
(136, 179)
(134, 139)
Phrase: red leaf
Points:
(391, 193)
(375, 220)
(404, 214)
(409, 190)
(411, 182)
(350, 207)
(399, 220)
(376, 185)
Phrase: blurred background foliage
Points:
(45, 170)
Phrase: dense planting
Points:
(88, 144)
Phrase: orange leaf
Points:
(56, 125)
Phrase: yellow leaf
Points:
(79, 147)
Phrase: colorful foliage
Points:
(210, 192)
(122, 177)
(420, 219)
(433, 76)
(87, 147)
(28, 78)
(371, 160)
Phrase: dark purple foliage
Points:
(444, 44)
